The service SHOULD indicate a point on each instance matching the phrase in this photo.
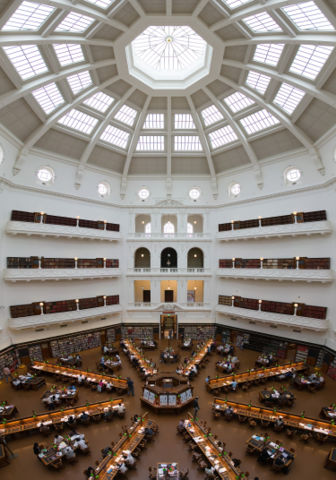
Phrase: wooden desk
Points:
(331, 460)
(27, 382)
(65, 395)
(162, 470)
(52, 459)
(143, 362)
(257, 443)
(167, 392)
(284, 398)
(267, 414)
(119, 383)
(108, 467)
(328, 412)
(7, 411)
(33, 423)
(197, 359)
(301, 382)
(263, 361)
(227, 366)
(221, 461)
(253, 375)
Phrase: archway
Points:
(142, 258)
(168, 258)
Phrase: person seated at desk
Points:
(120, 410)
(234, 385)
(68, 453)
(275, 394)
(207, 379)
(58, 439)
(84, 418)
(80, 444)
(209, 471)
(180, 426)
(80, 378)
(122, 468)
(36, 448)
(106, 451)
(229, 412)
(129, 459)
(89, 472)
(71, 421)
(100, 386)
(149, 432)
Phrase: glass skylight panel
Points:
(268, 53)
(74, 22)
(99, 101)
(288, 98)
(150, 143)
(235, 3)
(27, 60)
(258, 121)
(187, 143)
(68, 53)
(183, 121)
(307, 16)
(28, 16)
(222, 136)
(78, 121)
(100, 3)
(258, 81)
(126, 115)
(261, 22)
(154, 121)
(115, 136)
(211, 115)
(310, 59)
(238, 101)
(79, 81)
(48, 97)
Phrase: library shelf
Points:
(56, 274)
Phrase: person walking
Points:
(130, 385)
(196, 407)
(3, 441)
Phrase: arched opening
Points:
(190, 228)
(141, 223)
(168, 258)
(169, 228)
(142, 258)
(195, 258)
(169, 225)
(197, 224)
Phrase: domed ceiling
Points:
(168, 87)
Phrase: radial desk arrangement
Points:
(143, 362)
(197, 359)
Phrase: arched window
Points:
(190, 228)
(168, 227)
(148, 228)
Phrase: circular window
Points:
(143, 193)
(103, 189)
(194, 193)
(293, 175)
(46, 175)
(235, 189)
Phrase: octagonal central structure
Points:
(168, 56)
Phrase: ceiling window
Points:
(307, 16)
(222, 136)
(45, 175)
(99, 101)
(68, 53)
(28, 16)
(75, 23)
(79, 81)
(268, 53)
(115, 136)
(183, 121)
(238, 101)
(154, 121)
(78, 121)
(288, 98)
(187, 143)
(27, 60)
(235, 3)
(261, 23)
(258, 81)
(100, 3)
(126, 115)
(143, 193)
(150, 143)
(259, 121)
(211, 115)
(48, 97)
(310, 60)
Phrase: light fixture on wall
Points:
(142, 255)
(143, 222)
(297, 258)
(195, 222)
(195, 255)
(259, 301)
(195, 288)
(76, 258)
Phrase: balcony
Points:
(169, 271)
(56, 274)
(288, 230)
(277, 274)
(51, 319)
(164, 237)
(63, 231)
(176, 306)
(274, 319)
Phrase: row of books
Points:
(73, 344)
(303, 263)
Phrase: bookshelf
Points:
(17, 311)
(57, 262)
(9, 359)
(304, 263)
(137, 333)
(110, 336)
(200, 333)
(225, 300)
(73, 344)
(35, 353)
(53, 263)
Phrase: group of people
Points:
(169, 355)
(145, 366)
(64, 446)
(228, 365)
(71, 360)
(55, 396)
(110, 363)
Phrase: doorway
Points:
(146, 296)
(169, 296)
(168, 326)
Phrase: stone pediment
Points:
(169, 203)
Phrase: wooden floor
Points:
(167, 445)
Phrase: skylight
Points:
(222, 136)
(258, 81)
(68, 53)
(187, 143)
(48, 97)
(79, 81)
(115, 136)
(238, 101)
(74, 22)
(268, 53)
(101, 3)
(154, 121)
(258, 121)
(126, 115)
(261, 22)
(150, 143)
(288, 98)
(310, 59)
(27, 60)
(235, 3)
(211, 115)
(99, 101)
(307, 16)
(183, 121)
(78, 121)
(28, 16)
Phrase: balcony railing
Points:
(158, 236)
(170, 305)
(42, 274)
(168, 271)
